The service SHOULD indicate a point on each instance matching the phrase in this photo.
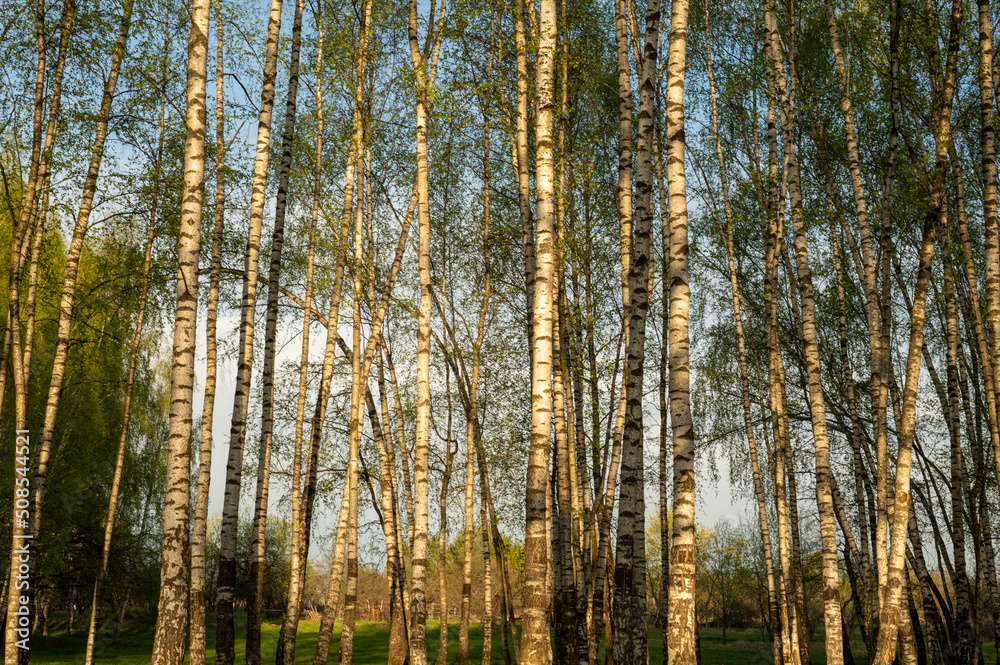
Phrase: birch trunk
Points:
(225, 635)
(199, 535)
(286, 639)
(424, 85)
(26, 219)
(892, 589)
(534, 619)
(817, 406)
(523, 168)
(472, 426)
(335, 583)
(960, 581)
(681, 622)
(168, 644)
(879, 352)
(358, 381)
(729, 243)
(778, 401)
(66, 299)
(991, 227)
(630, 561)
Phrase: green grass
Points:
(134, 644)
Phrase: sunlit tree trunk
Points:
(356, 423)
(472, 430)
(171, 620)
(33, 215)
(681, 623)
(63, 329)
(521, 162)
(199, 531)
(424, 84)
(817, 406)
(22, 225)
(991, 232)
(534, 619)
(892, 587)
(336, 580)
(449, 459)
(960, 580)
(776, 390)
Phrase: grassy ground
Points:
(135, 643)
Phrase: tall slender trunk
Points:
(487, 622)
(960, 581)
(286, 639)
(424, 85)
(395, 570)
(34, 215)
(728, 241)
(358, 381)
(681, 622)
(817, 406)
(776, 390)
(133, 355)
(665, 527)
(66, 299)
(892, 588)
(299, 554)
(534, 618)
(340, 544)
(523, 166)
(991, 232)
(630, 557)
(21, 223)
(225, 635)
(879, 351)
(199, 533)
(168, 644)
(472, 423)
(335, 583)
(449, 458)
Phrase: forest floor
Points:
(134, 644)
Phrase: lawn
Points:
(135, 643)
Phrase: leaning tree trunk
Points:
(728, 241)
(340, 545)
(442, 655)
(62, 333)
(225, 635)
(892, 588)
(817, 406)
(133, 355)
(22, 224)
(879, 352)
(286, 638)
(168, 644)
(960, 582)
(33, 218)
(472, 426)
